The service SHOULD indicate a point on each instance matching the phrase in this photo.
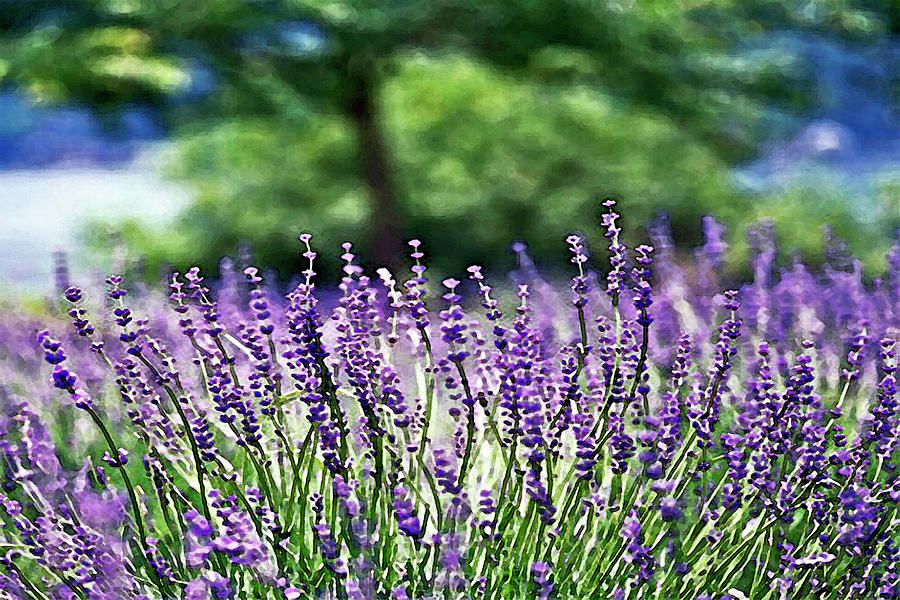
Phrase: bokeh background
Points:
(156, 134)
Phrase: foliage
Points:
(553, 153)
(376, 119)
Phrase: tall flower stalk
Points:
(663, 439)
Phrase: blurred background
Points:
(158, 134)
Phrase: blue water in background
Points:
(60, 167)
(851, 141)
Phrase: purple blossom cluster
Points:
(642, 431)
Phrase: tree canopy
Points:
(466, 123)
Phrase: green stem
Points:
(135, 506)
(470, 425)
(189, 432)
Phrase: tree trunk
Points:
(374, 159)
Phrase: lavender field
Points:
(649, 429)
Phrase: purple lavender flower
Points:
(405, 511)
(615, 279)
(542, 577)
(610, 460)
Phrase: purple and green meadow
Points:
(642, 431)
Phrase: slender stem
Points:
(135, 506)
(429, 391)
(470, 425)
(189, 432)
(642, 360)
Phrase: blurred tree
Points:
(551, 153)
(316, 103)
